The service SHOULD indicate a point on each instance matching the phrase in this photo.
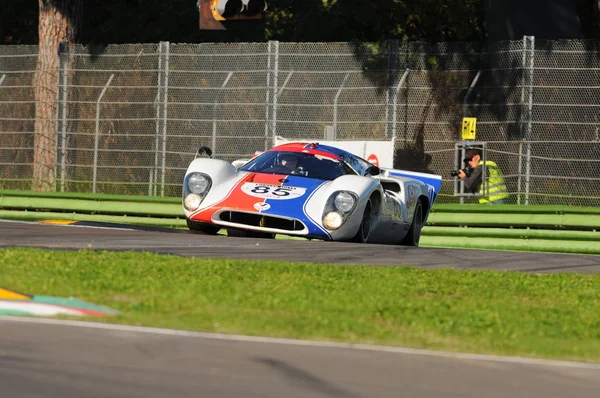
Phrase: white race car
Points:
(308, 190)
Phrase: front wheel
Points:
(241, 233)
(201, 227)
(364, 231)
(414, 233)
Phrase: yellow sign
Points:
(469, 126)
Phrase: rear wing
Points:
(432, 181)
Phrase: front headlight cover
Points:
(198, 183)
(338, 208)
(333, 220)
(195, 188)
(344, 201)
(192, 201)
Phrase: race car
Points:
(307, 190)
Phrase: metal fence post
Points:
(161, 101)
(285, 82)
(522, 128)
(154, 170)
(335, 103)
(530, 45)
(395, 103)
(268, 95)
(390, 93)
(274, 99)
(61, 117)
(215, 113)
(526, 114)
(164, 50)
(157, 101)
(469, 91)
(97, 135)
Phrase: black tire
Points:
(414, 234)
(240, 233)
(201, 227)
(364, 231)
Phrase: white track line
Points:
(295, 342)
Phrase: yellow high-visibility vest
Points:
(494, 186)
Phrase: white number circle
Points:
(268, 191)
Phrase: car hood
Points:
(272, 194)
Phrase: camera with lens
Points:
(468, 170)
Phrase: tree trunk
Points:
(56, 24)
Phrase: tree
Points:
(57, 23)
(18, 23)
(358, 20)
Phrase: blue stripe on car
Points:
(295, 208)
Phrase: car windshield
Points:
(298, 163)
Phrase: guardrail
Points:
(561, 229)
(138, 210)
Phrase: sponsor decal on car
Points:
(411, 200)
(269, 191)
(260, 206)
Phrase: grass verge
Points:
(506, 313)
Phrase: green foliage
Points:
(137, 21)
(18, 23)
(357, 20)
(150, 21)
(552, 315)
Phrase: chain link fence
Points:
(130, 117)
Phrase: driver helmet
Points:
(288, 160)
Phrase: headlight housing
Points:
(198, 183)
(195, 188)
(338, 208)
(344, 202)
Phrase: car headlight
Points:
(195, 188)
(333, 220)
(338, 208)
(198, 183)
(192, 201)
(344, 202)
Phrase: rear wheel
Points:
(364, 231)
(240, 233)
(201, 227)
(414, 233)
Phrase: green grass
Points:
(507, 313)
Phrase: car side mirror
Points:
(372, 170)
(204, 150)
(239, 163)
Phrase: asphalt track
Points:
(185, 243)
(53, 359)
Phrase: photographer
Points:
(494, 185)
